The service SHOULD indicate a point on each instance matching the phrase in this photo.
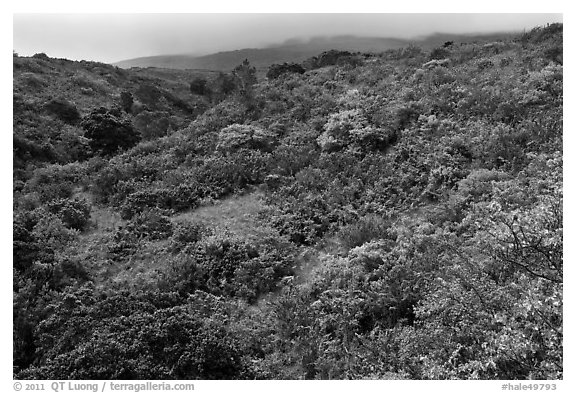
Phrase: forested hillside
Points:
(355, 216)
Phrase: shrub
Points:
(152, 224)
(151, 125)
(55, 181)
(409, 52)
(32, 81)
(219, 116)
(186, 233)
(351, 127)
(26, 150)
(136, 336)
(199, 86)
(221, 175)
(276, 70)
(555, 54)
(404, 115)
(126, 101)
(226, 266)
(485, 64)
(63, 109)
(350, 61)
(239, 136)
(74, 214)
(290, 159)
(336, 134)
(148, 94)
(148, 225)
(364, 230)
(222, 86)
(73, 146)
(304, 221)
(25, 248)
(540, 34)
(331, 57)
(52, 233)
(439, 54)
(373, 139)
(88, 84)
(108, 131)
(181, 197)
(68, 272)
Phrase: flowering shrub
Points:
(238, 136)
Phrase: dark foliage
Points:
(148, 94)
(200, 86)
(126, 101)
(276, 70)
(108, 132)
(64, 110)
(333, 57)
(440, 53)
(223, 86)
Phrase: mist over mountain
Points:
(297, 50)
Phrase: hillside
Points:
(297, 51)
(350, 216)
(52, 95)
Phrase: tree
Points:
(126, 101)
(199, 86)
(245, 76)
(108, 131)
(223, 86)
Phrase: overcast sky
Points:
(114, 37)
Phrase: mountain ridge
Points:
(297, 50)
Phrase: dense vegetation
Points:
(390, 216)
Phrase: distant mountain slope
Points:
(295, 51)
(291, 51)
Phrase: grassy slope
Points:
(236, 215)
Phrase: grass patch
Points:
(242, 216)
